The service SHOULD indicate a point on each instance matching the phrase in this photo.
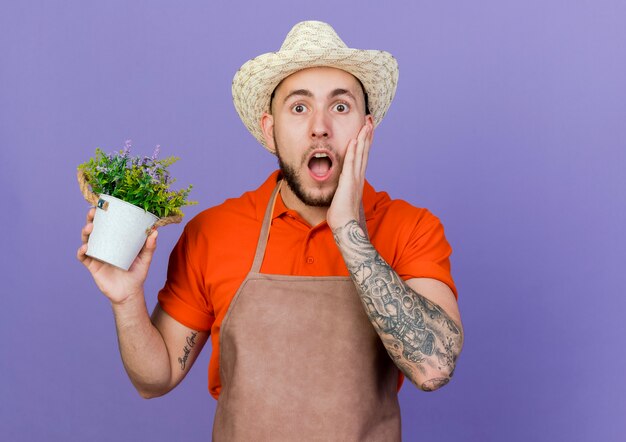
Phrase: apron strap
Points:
(265, 230)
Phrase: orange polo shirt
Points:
(216, 249)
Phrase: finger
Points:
(151, 240)
(361, 146)
(348, 161)
(363, 132)
(85, 232)
(370, 135)
(366, 152)
(359, 150)
(90, 214)
(147, 251)
(81, 255)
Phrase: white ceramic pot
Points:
(119, 231)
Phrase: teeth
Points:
(321, 155)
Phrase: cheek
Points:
(287, 143)
(352, 123)
(346, 132)
(290, 130)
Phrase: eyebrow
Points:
(338, 92)
(303, 92)
(307, 93)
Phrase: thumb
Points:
(146, 253)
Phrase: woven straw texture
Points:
(312, 44)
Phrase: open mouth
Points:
(320, 165)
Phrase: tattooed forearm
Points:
(190, 342)
(419, 336)
(434, 384)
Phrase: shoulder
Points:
(398, 214)
(221, 220)
(234, 214)
(399, 229)
(411, 239)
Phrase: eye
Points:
(342, 108)
(299, 108)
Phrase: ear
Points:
(267, 127)
(370, 120)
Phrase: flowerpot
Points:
(119, 231)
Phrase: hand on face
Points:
(347, 202)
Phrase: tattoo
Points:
(433, 384)
(191, 341)
(417, 333)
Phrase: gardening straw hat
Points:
(312, 44)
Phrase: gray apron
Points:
(300, 361)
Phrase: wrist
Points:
(130, 313)
(350, 234)
(131, 302)
(337, 219)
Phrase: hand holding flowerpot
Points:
(132, 196)
(118, 285)
(119, 232)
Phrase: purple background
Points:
(509, 124)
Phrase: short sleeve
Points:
(184, 295)
(426, 253)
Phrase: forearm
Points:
(142, 348)
(422, 339)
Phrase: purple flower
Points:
(152, 172)
(127, 146)
(157, 149)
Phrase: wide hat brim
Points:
(255, 81)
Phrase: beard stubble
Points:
(291, 175)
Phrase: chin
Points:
(314, 197)
(314, 194)
(305, 187)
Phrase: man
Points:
(315, 289)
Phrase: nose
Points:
(320, 125)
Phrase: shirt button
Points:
(310, 260)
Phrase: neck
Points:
(311, 214)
